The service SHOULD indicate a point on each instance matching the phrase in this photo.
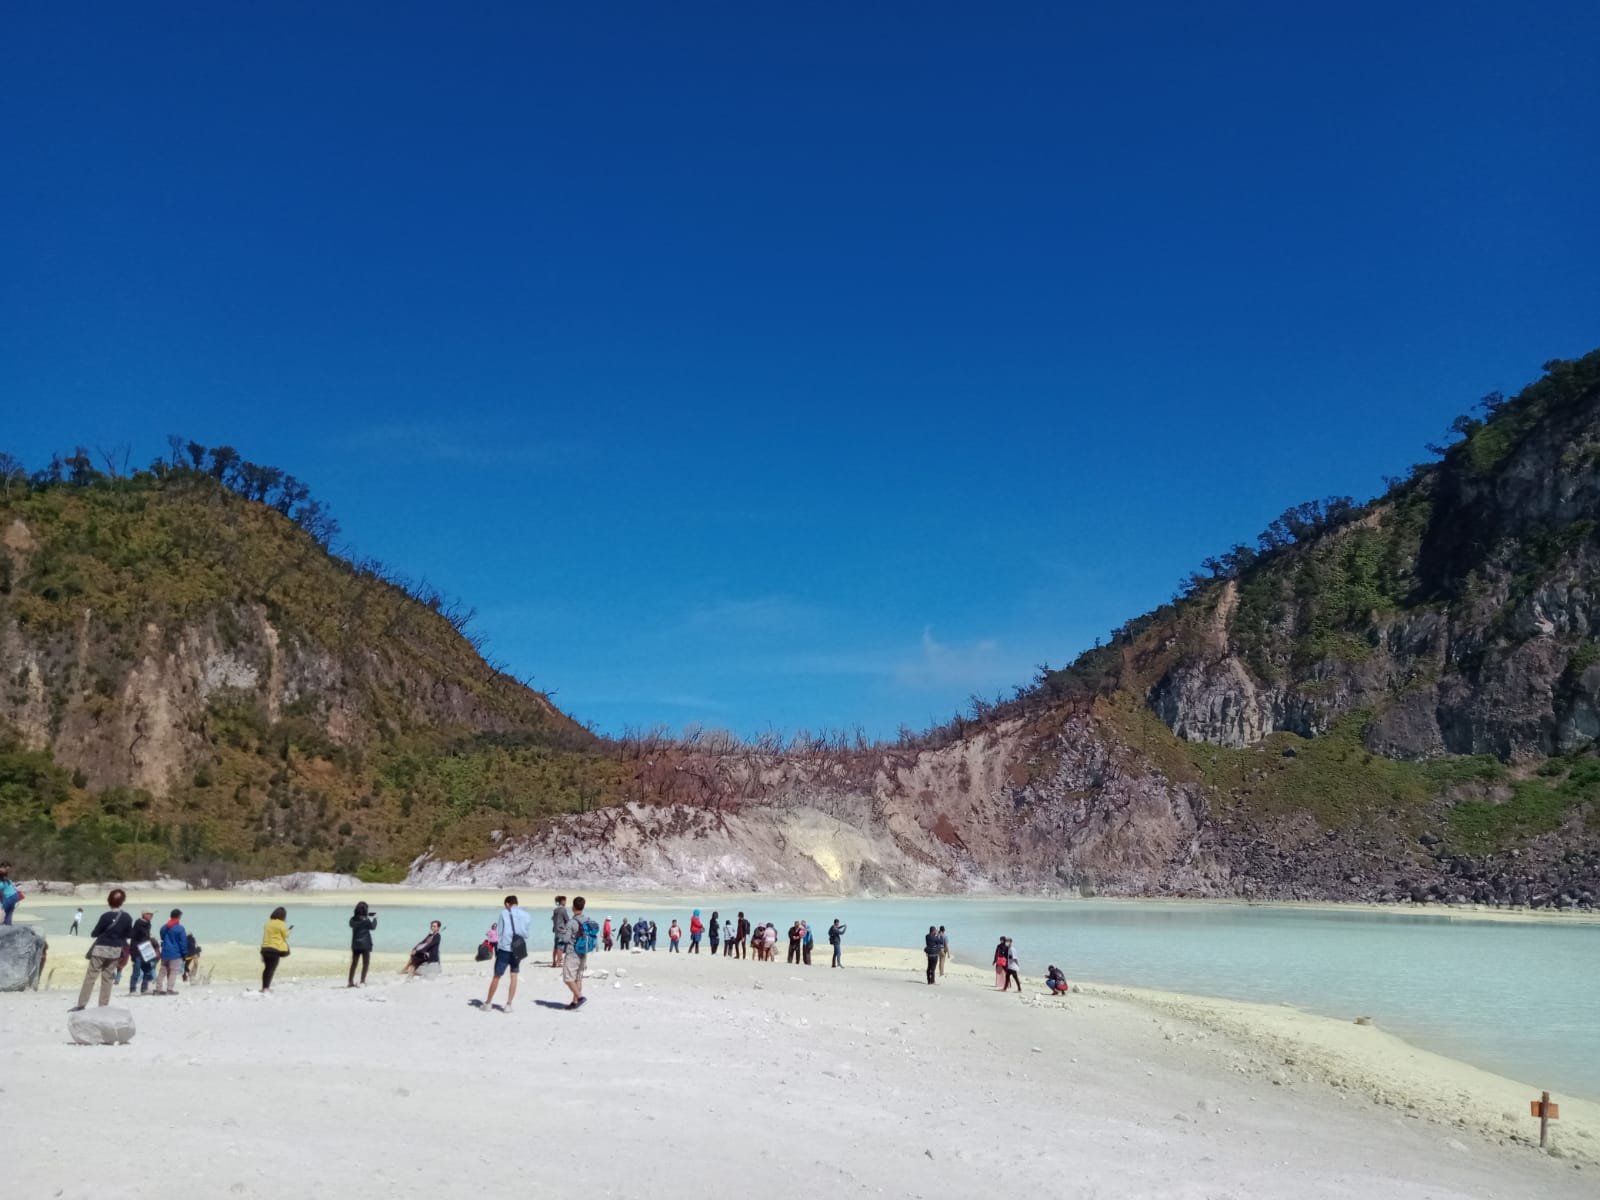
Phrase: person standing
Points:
(274, 946)
(191, 960)
(654, 933)
(142, 955)
(174, 941)
(696, 931)
(9, 894)
(580, 938)
(933, 946)
(605, 933)
(836, 940)
(744, 934)
(944, 949)
(1012, 963)
(715, 932)
(795, 934)
(1000, 965)
(110, 933)
(806, 941)
(558, 930)
(77, 919)
(625, 934)
(362, 922)
(673, 934)
(511, 947)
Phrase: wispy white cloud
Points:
(981, 665)
(976, 665)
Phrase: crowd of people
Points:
(170, 954)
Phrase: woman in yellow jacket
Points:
(274, 946)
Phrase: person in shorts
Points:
(512, 923)
(558, 926)
(572, 962)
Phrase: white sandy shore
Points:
(91, 896)
(702, 1077)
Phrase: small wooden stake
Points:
(1546, 1112)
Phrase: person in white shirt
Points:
(77, 918)
(511, 947)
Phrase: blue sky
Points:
(759, 367)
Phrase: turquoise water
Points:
(1520, 999)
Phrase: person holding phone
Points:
(362, 923)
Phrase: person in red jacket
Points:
(696, 928)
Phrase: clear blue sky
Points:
(759, 365)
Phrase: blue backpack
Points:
(587, 939)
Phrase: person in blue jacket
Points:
(174, 944)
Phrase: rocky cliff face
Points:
(1397, 701)
(1401, 707)
(1477, 630)
(190, 678)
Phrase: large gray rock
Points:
(429, 970)
(108, 1026)
(21, 957)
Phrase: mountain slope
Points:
(188, 676)
(1396, 700)
(1388, 701)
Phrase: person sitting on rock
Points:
(425, 951)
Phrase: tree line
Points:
(271, 486)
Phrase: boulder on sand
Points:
(109, 1026)
(430, 970)
(21, 957)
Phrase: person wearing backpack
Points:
(933, 946)
(9, 893)
(836, 939)
(581, 935)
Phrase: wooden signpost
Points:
(1546, 1111)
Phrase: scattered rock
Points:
(430, 970)
(1457, 1145)
(1363, 1020)
(101, 1026)
(21, 957)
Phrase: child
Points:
(673, 934)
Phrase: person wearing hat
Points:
(174, 944)
(142, 954)
(696, 929)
